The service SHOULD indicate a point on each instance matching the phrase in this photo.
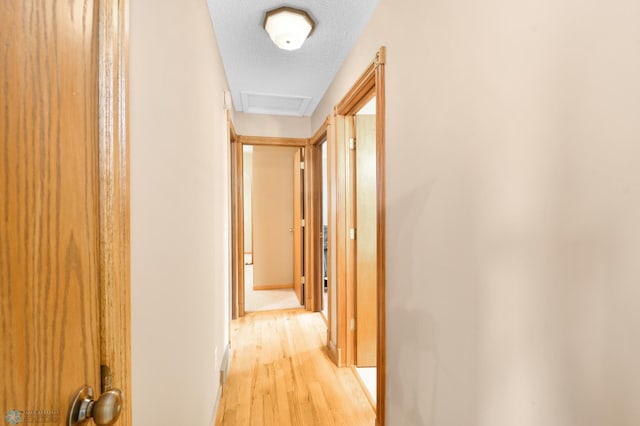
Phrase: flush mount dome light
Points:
(288, 27)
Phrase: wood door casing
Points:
(366, 244)
(370, 83)
(237, 232)
(237, 183)
(313, 231)
(298, 286)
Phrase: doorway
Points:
(324, 307)
(272, 237)
(363, 178)
(253, 241)
(356, 232)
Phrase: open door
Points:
(366, 241)
(298, 221)
(356, 148)
(64, 210)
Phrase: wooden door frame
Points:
(237, 214)
(113, 158)
(314, 217)
(371, 83)
(298, 228)
(237, 222)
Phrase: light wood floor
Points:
(281, 375)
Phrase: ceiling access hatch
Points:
(266, 103)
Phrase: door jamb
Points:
(114, 203)
(237, 222)
(314, 201)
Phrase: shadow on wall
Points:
(412, 390)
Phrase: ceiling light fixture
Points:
(288, 27)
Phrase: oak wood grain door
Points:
(366, 241)
(298, 235)
(53, 261)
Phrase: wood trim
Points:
(308, 246)
(272, 286)
(233, 135)
(356, 101)
(297, 210)
(313, 219)
(234, 218)
(253, 241)
(313, 222)
(334, 353)
(271, 141)
(237, 212)
(237, 226)
(370, 83)
(314, 214)
(341, 242)
(310, 288)
(234, 210)
(350, 299)
(331, 193)
(353, 100)
(382, 232)
(316, 230)
(239, 253)
(321, 134)
(115, 269)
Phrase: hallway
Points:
(280, 374)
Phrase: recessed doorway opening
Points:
(325, 229)
(269, 186)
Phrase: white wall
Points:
(179, 213)
(272, 125)
(513, 198)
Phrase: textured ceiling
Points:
(264, 79)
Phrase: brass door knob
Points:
(104, 412)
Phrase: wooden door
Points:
(366, 241)
(298, 212)
(56, 232)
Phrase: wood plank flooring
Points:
(281, 375)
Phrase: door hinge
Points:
(302, 223)
(302, 165)
(352, 233)
(352, 324)
(106, 378)
(352, 143)
(302, 281)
